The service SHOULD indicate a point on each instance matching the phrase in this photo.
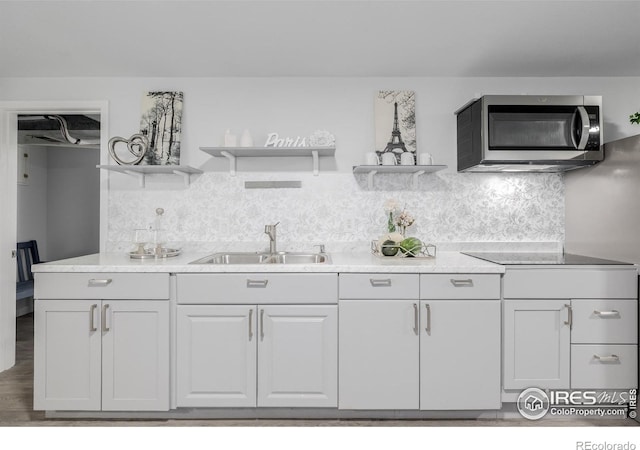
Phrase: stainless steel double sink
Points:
(264, 258)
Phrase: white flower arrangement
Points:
(404, 220)
(397, 218)
(322, 138)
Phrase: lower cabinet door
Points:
(67, 355)
(135, 355)
(379, 354)
(460, 354)
(599, 366)
(298, 356)
(536, 344)
(216, 356)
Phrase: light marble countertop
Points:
(444, 262)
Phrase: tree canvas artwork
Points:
(395, 123)
(161, 124)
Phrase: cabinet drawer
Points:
(571, 283)
(604, 322)
(250, 288)
(459, 286)
(379, 286)
(152, 286)
(604, 366)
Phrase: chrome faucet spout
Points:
(270, 230)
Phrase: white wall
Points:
(73, 202)
(32, 200)
(59, 208)
(336, 206)
(603, 210)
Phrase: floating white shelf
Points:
(416, 171)
(140, 172)
(232, 153)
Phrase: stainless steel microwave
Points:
(529, 133)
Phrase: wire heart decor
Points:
(137, 145)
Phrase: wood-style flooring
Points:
(16, 406)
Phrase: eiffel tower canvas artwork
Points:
(395, 121)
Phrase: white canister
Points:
(230, 140)
(246, 140)
(425, 159)
(389, 159)
(407, 159)
(371, 159)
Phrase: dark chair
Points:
(27, 255)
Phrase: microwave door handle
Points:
(584, 131)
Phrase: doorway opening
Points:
(10, 111)
(58, 192)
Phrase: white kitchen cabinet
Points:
(604, 321)
(460, 354)
(257, 339)
(604, 338)
(101, 341)
(379, 354)
(536, 344)
(110, 355)
(67, 355)
(257, 288)
(250, 355)
(216, 355)
(606, 366)
(570, 327)
(298, 355)
(608, 282)
(438, 353)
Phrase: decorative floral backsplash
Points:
(216, 212)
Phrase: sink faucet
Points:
(270, 230)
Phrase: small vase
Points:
(390, 225)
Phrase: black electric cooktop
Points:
(525, 258)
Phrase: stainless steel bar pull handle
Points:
(386, 282)
(612, 313)
(251, 324)
(105, 328)
(416, 322)
(569, 320)
(257, 283)
(586, 126)
(262, 324)
(92, 322)
(462, 283)
(605, 359)
(94, 282)
(428, 327)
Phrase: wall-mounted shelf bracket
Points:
(415, 171)
(232, 162)
(415, 176)
(233, 153)
(141, 172)
(314, 155)
(139, 175)
(370, 176)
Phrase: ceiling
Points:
(308, 38)
(60, 130)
